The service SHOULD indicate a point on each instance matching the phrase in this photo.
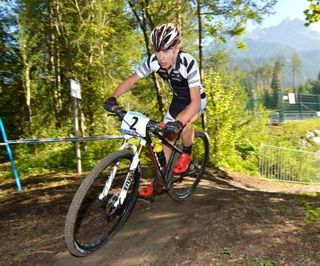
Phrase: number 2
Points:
(134, 123)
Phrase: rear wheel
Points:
(182, 186)
(91, 220)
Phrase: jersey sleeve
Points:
(145, 68)
(193, 73)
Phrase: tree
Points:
(315, 86)
(276, 83)
(313, 12)
(149, 14)
(295, 65)
(221, 19)
(59, 40)
(12, 102)
(218, 61)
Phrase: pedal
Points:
(191, 169)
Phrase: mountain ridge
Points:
(283, 40)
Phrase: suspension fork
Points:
(130, 175)
(125, 145)
(111, 176)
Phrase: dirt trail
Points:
(230, 220)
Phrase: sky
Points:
(286, 9)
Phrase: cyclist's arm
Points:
(194, 107)
(125, 85)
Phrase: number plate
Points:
(134, 124)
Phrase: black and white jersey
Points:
(184, 75)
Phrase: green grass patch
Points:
(290, 133)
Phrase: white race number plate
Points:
(134, 124)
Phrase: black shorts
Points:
(179, 104)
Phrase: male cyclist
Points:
(180, 70)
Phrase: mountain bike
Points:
(107, 195)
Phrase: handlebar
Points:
(119, 112)
(153, 126)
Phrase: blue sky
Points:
(286, 9)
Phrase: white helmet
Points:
(165, 37)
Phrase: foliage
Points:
(295, 65)
(46, 43)
(11, 90)
(229, 18)
(312, 211)
(313, 12)
(312, 215)
(290, 133)
(311, 87)
(276, 82)
(61, 157)
(234, 132)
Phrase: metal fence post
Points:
(300, 105)
(13, 166)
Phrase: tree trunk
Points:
(200, 38)
(55, 64)
(27, 83)
(28, 94)
(143, 25)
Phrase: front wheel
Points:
(100, 207)
(182, 186)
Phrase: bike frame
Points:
(154, 158)
(126, 145)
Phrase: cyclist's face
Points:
(166, 58)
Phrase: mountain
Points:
(289, 32)
(283, 40)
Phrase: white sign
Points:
(75, 89)
(292, 98)
(134, 124)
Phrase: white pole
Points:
(76, 130)
(76, 95)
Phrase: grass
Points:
(312, 211)
(290, 133)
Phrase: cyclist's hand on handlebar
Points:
(173, 127)
(110, 104)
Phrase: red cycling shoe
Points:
(182, 164)
(147, 191)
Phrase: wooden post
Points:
(76, 95)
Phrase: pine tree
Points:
(276, 83)
(295, 65)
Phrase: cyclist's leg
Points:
(187, 133)
(187, 136)
(177, 106)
